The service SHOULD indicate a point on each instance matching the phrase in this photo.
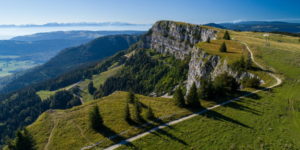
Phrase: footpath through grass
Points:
(69, 129)
(268, 120)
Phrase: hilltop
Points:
(168, 55)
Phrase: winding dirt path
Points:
(51, 135)
(278, 82)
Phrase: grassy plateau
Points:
(268, 120)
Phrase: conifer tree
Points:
(149, 113)
(192, 99)
(226, 36)
(127, 114)
(206, 89)
(223, 47)
(179, 97)
(24, 141)
(137, 111)
(208, 40)
(91, 88)
(131, 97)
(248, 63)
(96, 121)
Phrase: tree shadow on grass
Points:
(163, 134)
(217, 116)
(254, 68)
(113, 136)
(238, 106)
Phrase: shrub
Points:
(253, 82)
(225, 84)
(223, 47)
(242, 64)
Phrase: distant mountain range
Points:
(71, 35)
(41, 47)
(54, 24)
(260, 26)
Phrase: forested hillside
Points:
(71, 58)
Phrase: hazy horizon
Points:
(10, 32)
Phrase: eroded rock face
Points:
(176, 38)
(203, 65)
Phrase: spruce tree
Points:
(248, 63)
(226, 36)
(223, 47)
(149, 113)
(91, 88)
(131, 97)
(208, 40)
(179, 97)
(127, 114)
(192, 99)
(96, 121)
(137, 111)
(206, 90)
(24, 141)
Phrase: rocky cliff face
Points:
(203, 65)
(176, 38)
(179, 39)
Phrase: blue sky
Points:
(146, 11)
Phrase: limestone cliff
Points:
(176, 38)
(179, 39)
(203, 65)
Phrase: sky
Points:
(147, 11)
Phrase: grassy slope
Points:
(268, 121)
(97, 80)
(70, 129)
(71, 123)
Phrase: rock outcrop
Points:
(179, 39)
(204, 65)
(176, 38)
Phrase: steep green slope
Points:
(97, 79)
(269, 120)
(17, 108)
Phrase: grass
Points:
(234, 49)
(8, 67)
(70, 128)
(97, 80)
(270, 120)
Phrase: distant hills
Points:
(69, 59)
(260, 26)
(78, 24)
(71, 35)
